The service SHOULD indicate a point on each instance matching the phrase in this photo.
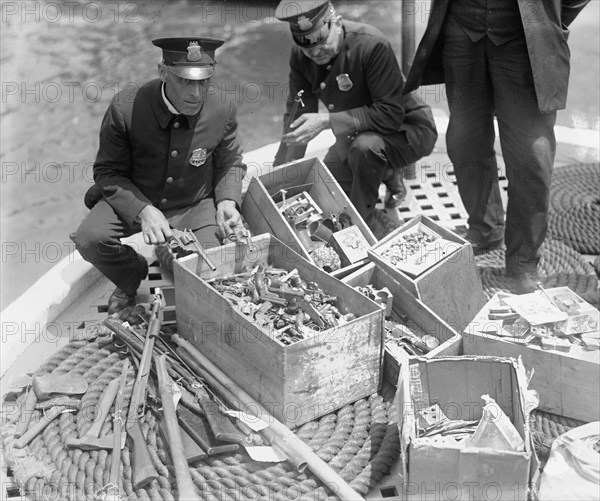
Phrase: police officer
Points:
(351, 68)
(169, 157)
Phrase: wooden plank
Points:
(263, 216)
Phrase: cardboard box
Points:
(263, 215)
(448, 282)
(567, 382)
(298, 382)
(437, 469)
(419, 319)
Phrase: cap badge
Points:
(194, 52)
(198, 157)
(304, 23)
(344, 82)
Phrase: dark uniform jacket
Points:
(146, 156)
(545, 24)
(361, 88)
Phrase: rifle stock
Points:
(141, 462)
(185, 485)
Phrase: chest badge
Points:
(344, 82)
(198, 157)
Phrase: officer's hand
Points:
(229, 220)
(155, 226)
(306, 127)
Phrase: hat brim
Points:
(194, 72)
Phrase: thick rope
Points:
(574, 217)
(356, 441)
(559, 266)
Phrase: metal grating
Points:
(434, 193)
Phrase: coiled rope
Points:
(574, 216)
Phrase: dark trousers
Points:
(483, 80)
(359, 164)
(98, 240)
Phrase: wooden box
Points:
(263, 216)
(451, 287)
(438, 468)
(567, 382)
(421, 319)
(297, 382)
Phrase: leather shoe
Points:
(118, 301)
(525, 283)
(395, 188)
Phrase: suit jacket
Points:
(545, 23)
(182, 165)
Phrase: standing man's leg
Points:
(470, 136)
(98, 241)
(528, 147)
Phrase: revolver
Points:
(186, 240)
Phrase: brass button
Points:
(169, 180)
(176, 125)
(328, 67)
(331, 107)
(323, 85)
(163, 201)
(174, 153)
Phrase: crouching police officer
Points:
(169, 157)
(352, 69)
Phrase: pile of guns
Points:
(198, 427)
(281, 302)
(193, 430)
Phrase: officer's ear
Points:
(162, 71)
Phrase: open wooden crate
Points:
(567, 382)
(435, 468)
(263, 216)
(297, 382)
(450, 285)
(419, 319)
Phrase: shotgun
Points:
(112, 491)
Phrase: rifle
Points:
(111, 490)
(141, 462)
(289, 156)
(220, 425)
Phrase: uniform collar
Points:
(170, 107)
(163, 108)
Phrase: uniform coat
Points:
(183, 165)
(362, 89)
(146, 156)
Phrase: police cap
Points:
(309, 19)
(190, 57)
